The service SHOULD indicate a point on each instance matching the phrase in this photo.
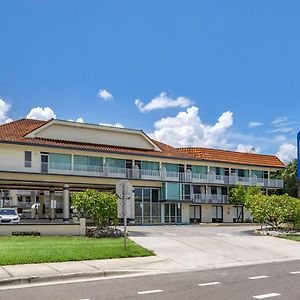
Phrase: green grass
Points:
(30, 249)
(291, 237)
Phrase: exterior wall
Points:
(185, 213)
(15, 154)
(46, 229)
(228, 213)
(101, 135)
(206, 213)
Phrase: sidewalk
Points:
(33, 273)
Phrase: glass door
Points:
(217, 214)
(44, 162)
(173, 213)
(238, 214)
(195, 213)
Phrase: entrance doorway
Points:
(217, 214)
(173, 213)
(147, 206)
(195, 213)
(238, 214)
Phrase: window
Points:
(214, 190)
(170, 167)
(87, 163)
(115, 163)
(150, 165)
(243, 173)
(28, 159)
(199, 169)
(59, 161)
(258, 174)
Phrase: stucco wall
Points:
(206, 213)
(46, 229)
(228, 213)
(185, 213)
(101, 135)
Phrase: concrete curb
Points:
(66, 276)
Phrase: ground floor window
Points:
(195, 213)
(217, 214)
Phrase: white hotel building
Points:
(47, 160)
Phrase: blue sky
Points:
(192, 62)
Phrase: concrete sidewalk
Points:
(33, 273)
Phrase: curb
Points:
(56, 277)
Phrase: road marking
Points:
(295, 272)
(209, 283)
(172, 234)
(224, 234)
(150, 292)
(266, 296)
(258, 277)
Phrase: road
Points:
(265, 281)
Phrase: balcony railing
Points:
(110, 172)
(209, 198)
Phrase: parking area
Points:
(212, 246)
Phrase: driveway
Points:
(196, 247)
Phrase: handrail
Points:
(135, 173)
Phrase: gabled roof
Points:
(18, 132)
(217, 155)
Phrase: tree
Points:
(100, 206)
(290, 178)
(289, 175)
(274, 210)
(239, 193)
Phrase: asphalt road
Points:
(265, 281)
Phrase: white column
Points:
(52, 208)
(66, 203)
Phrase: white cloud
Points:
(119, 125)
(280, 120)
(188, 130)
(247, 149)
(79, 120)
(287, 152)
(40, 113)
(105, 95)
(254, 124)
(8, 120)
(162, 101)
(4, 109)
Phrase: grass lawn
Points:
(291, 237)
(33, 249)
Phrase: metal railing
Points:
(209, 198)
(135, 173)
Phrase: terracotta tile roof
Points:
(217, 155)
(17, 130)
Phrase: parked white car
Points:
(9, 216)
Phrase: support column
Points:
(66, 203)
(42, 203)
(52, 204)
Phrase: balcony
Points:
(122, 173)
(209, 198)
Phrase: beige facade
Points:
(169, 187)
